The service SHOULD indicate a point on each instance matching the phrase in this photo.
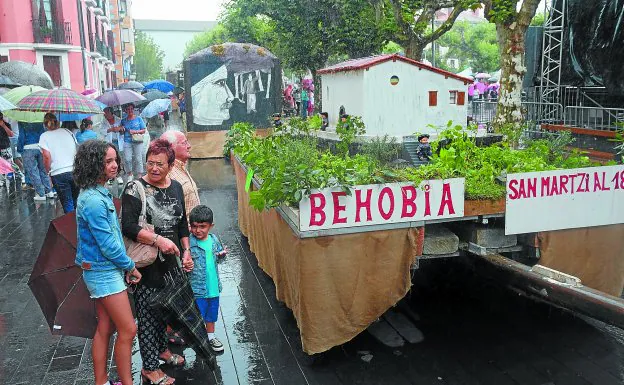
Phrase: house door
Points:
(52, 65)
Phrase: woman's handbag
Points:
(142, 254)
(137, 138)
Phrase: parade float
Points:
(340, 230)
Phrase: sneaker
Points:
(119, 180)
(38, 197)
(51, 195)
(216, 345)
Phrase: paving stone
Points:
(384, 333)
(439, 240)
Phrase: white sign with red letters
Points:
(382, 204)
(564, 199)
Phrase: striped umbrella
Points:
(59, 101)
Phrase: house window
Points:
(433, 98)
(4, 59)
(461, 98)
(453, 99)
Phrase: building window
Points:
(125, 35)
(123, 8)
(453, 97)
(52, 65)
(4, 59)
(433, 98)
(461, 98)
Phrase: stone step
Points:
(404, 326)
(384, 333)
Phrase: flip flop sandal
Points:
(174, 360)
(164, 380)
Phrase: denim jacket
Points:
(100, 245)
(29, 134)
(198, 275)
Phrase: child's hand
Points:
(223, 252)
(187, 262)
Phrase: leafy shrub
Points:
(384, 149)
(239, 133)
(347, 131)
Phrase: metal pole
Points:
(82, 42)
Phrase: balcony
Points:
(91, 3)
(99, 8)
(48, 32)
(103, 49)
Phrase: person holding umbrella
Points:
(58, 146)
(166, 212)
(112, 130)
(134, 130)
(102, 256)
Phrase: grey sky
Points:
(177, 10)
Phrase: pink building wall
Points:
(16, 27)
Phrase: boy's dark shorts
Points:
(209, 308)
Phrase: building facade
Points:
(171, 36)
(123, 35)
(71, 40)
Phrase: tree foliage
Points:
(474, 45)
(148, 59)
(412, 21)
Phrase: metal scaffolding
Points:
(552, 44)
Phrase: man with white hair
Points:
(178, 172)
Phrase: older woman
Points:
(166, 212)
(102, 256)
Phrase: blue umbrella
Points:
(156, 107)
(66, 117)
(160, 85)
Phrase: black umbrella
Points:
(177, 304)
(131, 85)
(26, 74)
(7, 82)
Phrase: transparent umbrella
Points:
(26, 73)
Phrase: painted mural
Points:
(231, 82)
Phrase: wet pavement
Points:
(474, 332)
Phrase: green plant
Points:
(46, 31)
(315, 122)
(383, 149)
(347, 130)
(239, 133)
(619, 138)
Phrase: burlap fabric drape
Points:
(336, 285)
(593, 254)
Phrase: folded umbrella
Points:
(177, 303)
(160, 85)
(119, 97)
(156, 107)
(60, 101)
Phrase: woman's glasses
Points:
(151, 164)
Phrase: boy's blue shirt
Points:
(198, 274)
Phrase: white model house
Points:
(394, 95)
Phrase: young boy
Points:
(205, 249)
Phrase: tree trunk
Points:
(414, 49)
(511, 46)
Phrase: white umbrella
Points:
(6, 105)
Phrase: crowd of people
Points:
(299, 98)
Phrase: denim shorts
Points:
(209, 308)
(102, 283)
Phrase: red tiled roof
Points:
(367, 62)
